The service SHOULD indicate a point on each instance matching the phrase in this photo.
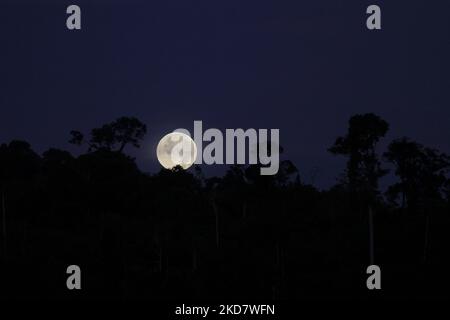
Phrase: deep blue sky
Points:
(302, 66)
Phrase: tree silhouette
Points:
(363, 166)
(359, 145)
(113, 136)
(421, 170)
(177, 233)
(423, 180)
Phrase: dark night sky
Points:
(302, 66)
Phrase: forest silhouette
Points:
(177, 234)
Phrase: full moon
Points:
(176, 149)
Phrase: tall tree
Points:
(359, 145)
(363, 165)
(423, 180)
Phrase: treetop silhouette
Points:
(422, 172)
(114, 136)
(359, 145)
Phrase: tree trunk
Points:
(165, 258)
(160, 259)
(426, 241)
(371, 237)
(403, 200)
(216, 213)
(244, 210)
(279, 259)
(25, 237)
(167, 265)
(280, 262)
(101, 226)
(123, 271)
(4, 224)
(194, 259)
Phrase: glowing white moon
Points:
(176, 149)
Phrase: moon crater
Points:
(176, 149)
